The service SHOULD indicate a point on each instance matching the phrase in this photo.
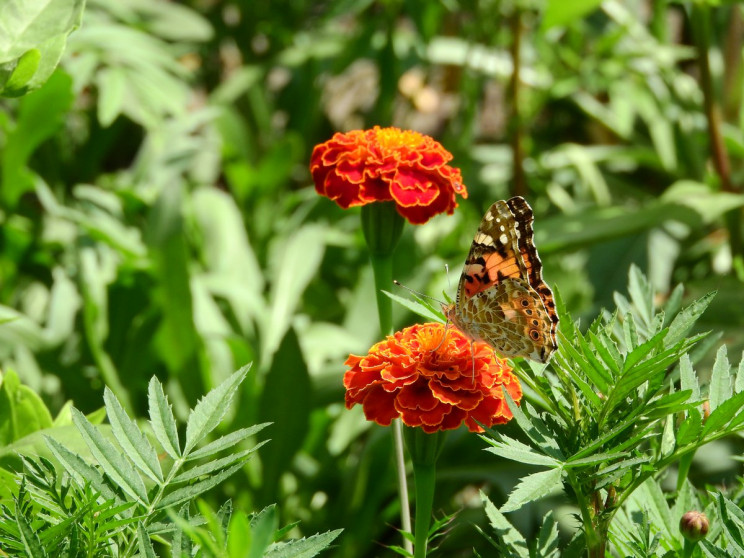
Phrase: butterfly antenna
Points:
(422, 295)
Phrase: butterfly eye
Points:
(525, 302)
(534, 334)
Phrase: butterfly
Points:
(502, 299)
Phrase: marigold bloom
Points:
(403, 377)
(387, 164)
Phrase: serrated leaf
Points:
(81, 471)
(720, 379)
(534, 428)
(595, 376)
(687, 377)
(303, 548)
(667, 437)
(739, 384)
(732, 519)
(630, 332)
(593, 459)
(111, 460)
(641, 294)
(212, 466)
(190, 492)
(227, 441)
(641, 351)
(601, 344)
(506, 532)
(533, 487)
(547, 540)
(689, 430)
(30, 540)
(683, 321)
(210, 410)
(515, 450)
(145, 546)
(131, 439)
(723, 414)
(162, 420)
(263, 527)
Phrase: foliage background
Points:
(157, 215)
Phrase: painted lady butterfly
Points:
(502, 298)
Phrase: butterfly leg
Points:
(446, 327)
(472, 357)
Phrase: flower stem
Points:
(424, 449)
(382, 267)
(424, 476)
(382, 227)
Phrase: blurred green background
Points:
(157, 214)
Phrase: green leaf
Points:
(210, 410)
(547, 540)
(112, 86)
(630, 332)
(686, 318)
(611, 358)
(640, 352)
(30, 540)
(511, 538)
(143, 542)
(286, 401)
(739, 383)
(80, 470)
(38, 26)
(687, 377)
(533, 487)
(732, 519)
(689, 431)
(720, 380)
(216, 465)
(641, 294)
(509, 448)
(303, 548)
(190, 492)
(226, 441)
(19, 79)
(593, 459)
(166, 238)
(111, 460)
(289, 282)
(40, 116)
(564, 12)
(22, 411)
(162, 420)
(263, 526)
(131, 439)
(723, 414)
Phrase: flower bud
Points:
(694, 525)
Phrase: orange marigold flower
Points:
(404, 377)
(388, 164)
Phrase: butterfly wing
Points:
(502, 298)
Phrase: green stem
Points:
(424, 450)
(382, 267)
(424, 476)
(382, 227)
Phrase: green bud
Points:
(694, 525)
